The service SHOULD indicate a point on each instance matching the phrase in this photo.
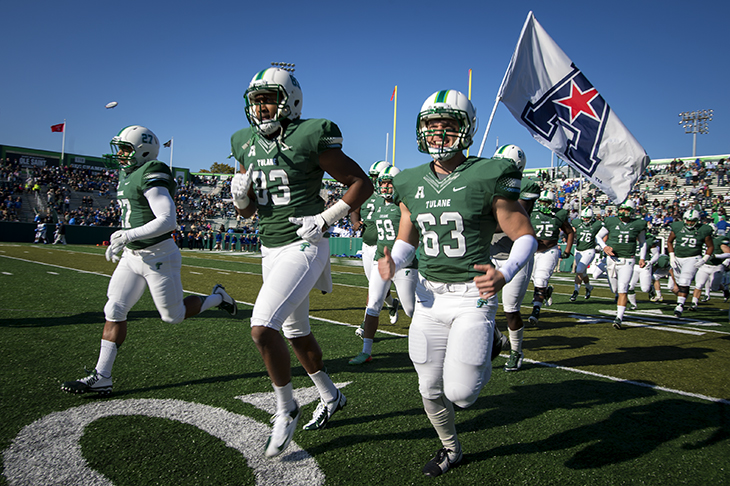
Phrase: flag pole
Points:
(395, 113)
(469, 97)
(172, 143)
(63, 142)
(489, 124)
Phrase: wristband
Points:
(336, 212)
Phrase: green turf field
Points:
(191, 402)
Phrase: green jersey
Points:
(650, 242)
(622, 235)
(547, 226)
(386, 221)
(662, 262)
(718, 241)
(585, 233)
(367, 215)
(688, 241)
(453, 213)
(287, 177)
(136, 209)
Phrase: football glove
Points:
(240, 185)
(702, 261)
(566, 254)
(673, 261)
(116, 245)
(311, 227)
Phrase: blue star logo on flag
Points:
(574, 107)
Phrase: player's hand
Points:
(490, 283)
(240, 185)
(608, 250)
(116, 245)
(700, 262)
(566, 254)
(673, 262)
(642, 263)
(386, 265)
(312, 227)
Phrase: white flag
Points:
(550, 96)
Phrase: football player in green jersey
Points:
(586, 229)
(643, 275)
(450, 209)
(387, 221)
(619, 238)
(661, 269)
(710, 275)
(685, 249)
(548, 222)
(513, 293)
(150, 256)
(363, 218)
(286, 157)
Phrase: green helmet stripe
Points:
(441, 96)
(260, 74)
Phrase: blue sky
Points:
(180, 68)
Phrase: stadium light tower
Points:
(695, 122)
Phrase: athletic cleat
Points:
(324, 412)
(285, 423)
(441, 462)
(678, 310)
(633, 306)
(360, 331)
(499, 342)
(227, 304)
(361, 358)
(652, 293)
(589, 289)
(617, 324)
(694, 307)
(705, 298)
(535, 316)
(393, 311)
(574, 296)
(94, 382)
(657, 298)
(549, 296)
(514, 362)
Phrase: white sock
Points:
(367, 346)
(620, 310)
(327, 389)
(515, 339)
(107, 355)
(441, 414)
(284, 397)
(632, 298)
(213, 300)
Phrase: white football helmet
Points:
(450, 104)
(387, 175)
(691, 218)
(289, 98)
(513, 153)
(140, 144)
(545, 202)
(376, 169)
(626, 209)
(587, 215)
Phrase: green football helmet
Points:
(132, 147)
(449, 104)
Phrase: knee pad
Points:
(539, 293)
(115, 311)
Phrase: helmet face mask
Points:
(445, 125)
(691, 218)
(587, 215)
(385, 182)
(277, 88)
(132, 147)
(513, 153)
(626, 210)
(545, 202)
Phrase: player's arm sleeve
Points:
(163, 207)
(641, 240)
(599, 237)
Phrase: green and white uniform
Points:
(624, 238)
(710, 275)
(370, 231)
(152, 261)
(688, 248)
(287, 180)
(547, 228)
(451, 333)
(585, 243)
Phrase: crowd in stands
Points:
(662, 196)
